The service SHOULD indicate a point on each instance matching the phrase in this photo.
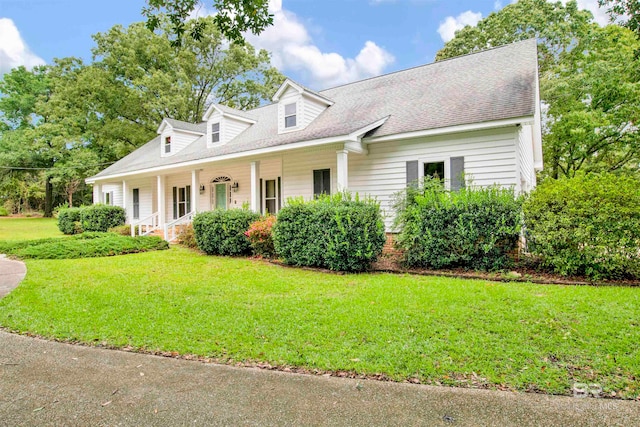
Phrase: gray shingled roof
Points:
(190, 127)
(486, 86)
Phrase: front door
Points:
(220, 196)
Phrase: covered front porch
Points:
(163, 202)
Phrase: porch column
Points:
(124, 197)
(195, 190)
(255, 186)
(162, 211)
(343, 170)
(97, 193)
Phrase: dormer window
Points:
(167, 144)
(290, 115)
(215, 132)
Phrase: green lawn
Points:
(438, 330)
(28, 228)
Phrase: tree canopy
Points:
(589, 82)
(232, 17)
(62, 122)
(627, 12)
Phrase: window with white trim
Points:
(321, 182)
(290, 116)
(136, 203)
(215, 132)
(167, 144)
(434, 170)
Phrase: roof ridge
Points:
(431, 63)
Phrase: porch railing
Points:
(146, 225)
(171, 229)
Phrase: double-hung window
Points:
(290, 120)
(136, 203)
(215, 132)
(321, 182)
(167, 144)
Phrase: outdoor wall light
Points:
(201, 189)
(234, 186)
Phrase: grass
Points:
(28, 228)
(436, 330)
(85, 245)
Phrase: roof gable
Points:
(290, 84)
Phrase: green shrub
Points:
(69, 220)
(260, 236)
(187, 237)
(471, 228)
(101, 217)
(587, 225)
(338, 232)
(84, 245)
(3, 211)
(221, 232)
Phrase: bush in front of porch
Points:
(98, 218)
(340, 232)
(221, 232)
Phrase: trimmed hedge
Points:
(98, 218)
(86, 245)
(588, 225)
(474, 228)
(336, 232)
(69, 220)
(221, 232)
(102, 217)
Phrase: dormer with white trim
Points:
(176, 135)
(224, 124)
(298, 106)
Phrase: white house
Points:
(473, 118)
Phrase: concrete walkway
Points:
(11, 273)
(49, 384)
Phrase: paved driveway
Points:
(48, 383)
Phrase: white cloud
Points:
(450, 25)
(497, 5)
(13, 50)
(292, 49)
(599, 14)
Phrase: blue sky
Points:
(320, 43)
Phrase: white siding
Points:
(146, 187)
(179, 140)
(489, 158)
(310, 110)
(231, 128)
(525, 158)
(115, 190)
(298, 167)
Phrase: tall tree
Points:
(232, 17)
(588, 81)
(594, 104)
(138, 79)
(554, 25)
(627, 12)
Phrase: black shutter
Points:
(261, 209)
(326, 181)
(175, 202)
(412, 172)
(457, 173)
(188, 197)
(279, 193)
(317, 182)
